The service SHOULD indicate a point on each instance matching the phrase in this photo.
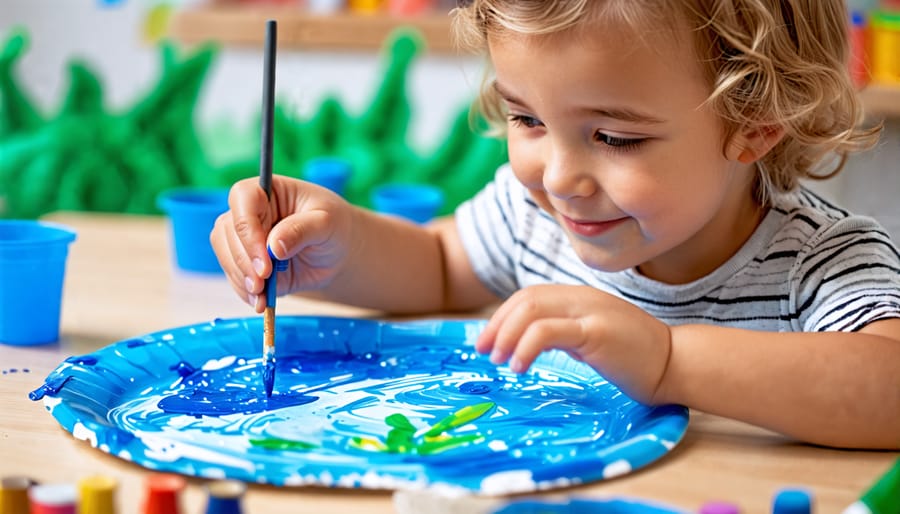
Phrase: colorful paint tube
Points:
(163, 494)
(225, 497)
(14, 495)
(96, 495)
(53, 498)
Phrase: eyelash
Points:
(618, 144)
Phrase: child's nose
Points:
(567, 175)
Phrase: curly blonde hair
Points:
(768, 62)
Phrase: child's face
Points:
(612, 139)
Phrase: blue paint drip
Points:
(82, 360)
(183, 369)
(269, 377)
(137, 343)
(52, 387)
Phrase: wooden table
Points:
(121, 283)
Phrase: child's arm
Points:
(830, 388)
(342, 252)
(403, 268)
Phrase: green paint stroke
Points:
(403, 437)
(276, 444)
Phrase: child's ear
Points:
(751, 144)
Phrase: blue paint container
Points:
(328, 172)
(193, 213)
(416, 202)
(32, 271)
(792, 501)
(225, 497)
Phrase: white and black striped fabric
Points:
(810, 266)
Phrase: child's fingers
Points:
(230, 251)
(249, 207)
(298, 231)
(486, 339)
(253, 269)
(515, 319)
(545, 334)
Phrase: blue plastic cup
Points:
(32, 271)
(415, 202)
(192, 214)
(330, 172)
(225, 497)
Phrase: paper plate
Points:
(358, 404)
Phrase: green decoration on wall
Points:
(87, 157)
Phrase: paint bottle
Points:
(365, 6)
(792, 501)
(96, 495)
(53, 498)
(410, 8)
(859, 48)
(14, 495)
(225, 497)
(163, 491)
(883, 497)
(719, 507)
(325, 6)
(885, 56)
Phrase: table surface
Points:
(121, 283)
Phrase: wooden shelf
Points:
(241, 25)
(882, 99)
(233, 24)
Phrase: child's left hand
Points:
(629, 347)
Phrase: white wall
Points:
(110, 38)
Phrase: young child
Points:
(649, 222)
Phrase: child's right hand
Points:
(312, 228)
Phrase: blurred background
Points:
(108, 75)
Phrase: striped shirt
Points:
(809, 266)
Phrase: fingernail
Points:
(258, 266)
(283, 246)
(252, 299)
(248, 283)
(497, 356)
(515, 365)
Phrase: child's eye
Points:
(618, 143)
(520, 120)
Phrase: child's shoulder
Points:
(816, 224)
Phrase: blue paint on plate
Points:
(560, 424)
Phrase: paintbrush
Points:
(265, 182)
